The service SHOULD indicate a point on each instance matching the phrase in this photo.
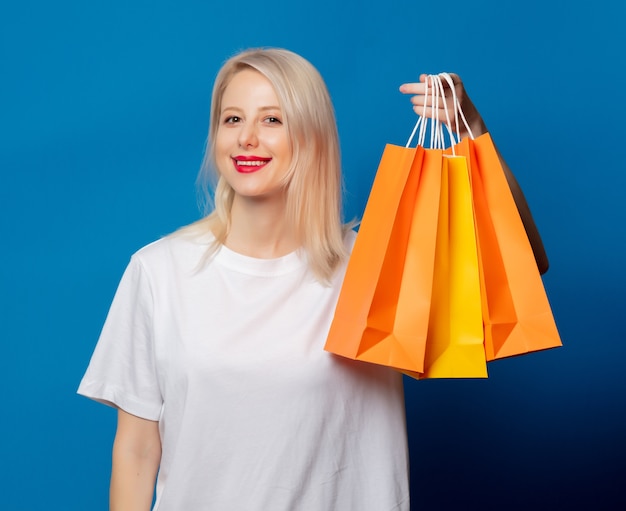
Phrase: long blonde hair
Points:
(314, 182)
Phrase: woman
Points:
(213, 348)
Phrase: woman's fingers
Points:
(422, 92)
(413, 88)
(423, 103)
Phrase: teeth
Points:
(254, 163)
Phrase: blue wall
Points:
(104, 109)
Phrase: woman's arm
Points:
(532, 232)
(136, 459)
(478, 127)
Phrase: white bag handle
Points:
(457, 108)
(434, 93)
(434, 84)
(439, 138)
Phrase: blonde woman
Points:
(212, 351)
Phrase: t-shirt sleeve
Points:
(122, 371)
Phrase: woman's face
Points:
(252, 149)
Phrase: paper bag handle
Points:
(434, 85)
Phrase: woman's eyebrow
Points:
(262, 109)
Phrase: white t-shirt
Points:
(253, 413)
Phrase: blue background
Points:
(103, 119)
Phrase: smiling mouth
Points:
(247, 166)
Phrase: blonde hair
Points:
(314, 182)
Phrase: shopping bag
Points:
(486, 299)
(384, 304)
(516, 312)
(418, 307)
(454, 346)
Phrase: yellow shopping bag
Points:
(454, 346)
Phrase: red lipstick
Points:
(249, 164)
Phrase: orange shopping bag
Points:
(383, 308)
(516, 312)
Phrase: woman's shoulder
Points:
(187, 244)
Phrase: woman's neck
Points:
(259, 228)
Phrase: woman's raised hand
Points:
(421, 95)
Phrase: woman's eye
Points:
(273, 120)
(232, 119)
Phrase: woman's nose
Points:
(248, 135)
